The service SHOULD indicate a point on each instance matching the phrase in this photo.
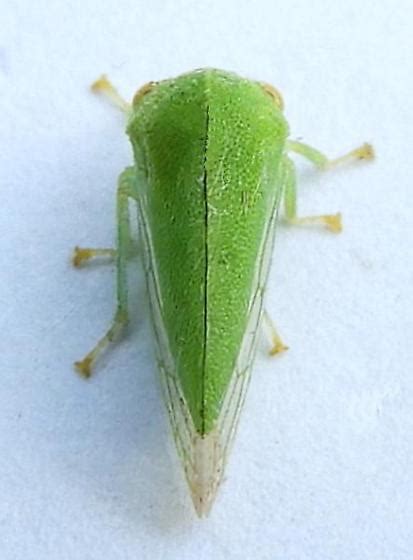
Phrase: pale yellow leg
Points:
(125, 249)
(365, 151)
(103, 85)
(277, 345)
(330, 221)
(120, 320)
(81, 255)
(321, 161)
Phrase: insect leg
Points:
(82, 255)
(330, 221)
(322, 162)
(277, 345)
(103, 85)
(85, 254)
(126, 190)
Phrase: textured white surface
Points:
(321, 467)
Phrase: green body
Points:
(207, 147)
(211, 168)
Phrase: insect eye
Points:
(142, 92)
(274, 94)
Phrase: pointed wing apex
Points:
(204, 478)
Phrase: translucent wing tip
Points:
(202, 501)
(205, 473)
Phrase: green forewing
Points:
(207, 148)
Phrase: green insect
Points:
(211, 169)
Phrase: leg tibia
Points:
(330, 221)
(85, 254)
(84, 367)
(323, 162)
(103, 85)
(277, 345)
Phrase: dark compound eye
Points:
(274, 94)
(142, 92)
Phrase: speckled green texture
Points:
(207, 148)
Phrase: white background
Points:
(322, 464)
